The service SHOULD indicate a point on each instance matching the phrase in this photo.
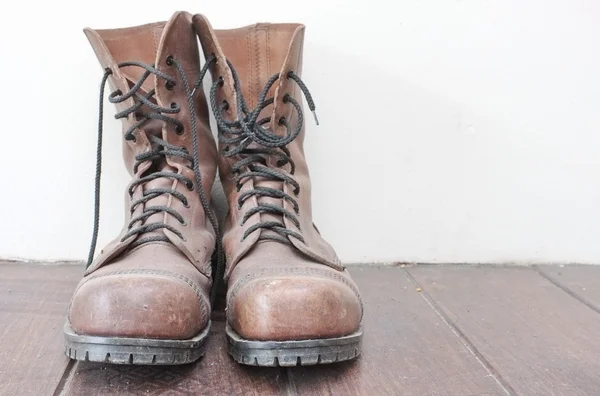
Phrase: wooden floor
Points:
(429, 330)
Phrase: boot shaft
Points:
(152, 70)
(247, 60)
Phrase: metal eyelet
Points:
(179, 129)
(169, 60)
(170, 85)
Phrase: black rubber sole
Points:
(143, 351)
(293, 353)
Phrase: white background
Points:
(451, 131)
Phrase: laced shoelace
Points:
(161, 149)
(248, 129)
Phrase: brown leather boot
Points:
(145, 298)
(290, 301)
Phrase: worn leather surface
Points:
(275, 291)
(151, 291)
(158, 289)
(278, 293)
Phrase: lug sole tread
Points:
(293, 353)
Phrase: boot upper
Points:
(153, 44)
(285, 282)
(278, 49)
(153, 280)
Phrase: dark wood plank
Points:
(33, 303)
(539, 339)
(581, 281)
(215, 374)
(408, 349)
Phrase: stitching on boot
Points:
(248, 62)
(188, 281)
(292, 271)
(268, 52)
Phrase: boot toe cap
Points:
(138, 306)
(294, 308)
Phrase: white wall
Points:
(451, 131)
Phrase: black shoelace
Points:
(161, 149)
(247, 129)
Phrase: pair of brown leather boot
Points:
(146, 298)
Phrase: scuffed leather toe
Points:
(293, 308)
(151, 305)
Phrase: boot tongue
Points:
(159, 165)
(258, 52)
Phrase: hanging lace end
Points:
(314, 113)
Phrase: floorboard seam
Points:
(291, 389)
(64, 379)
(508, 389)
(567, 290)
